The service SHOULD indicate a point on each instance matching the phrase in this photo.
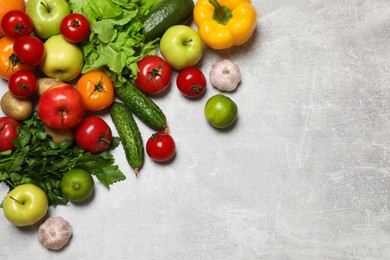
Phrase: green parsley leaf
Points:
(40, 161)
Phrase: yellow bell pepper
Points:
(225, 23)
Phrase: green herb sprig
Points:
(40, 161)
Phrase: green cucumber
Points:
(129, 134)
(166, 14)
(142, 106)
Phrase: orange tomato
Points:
(96, 90)
(9, 62)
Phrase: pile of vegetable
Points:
(123, 32)
(55, 150)
(116, 41)
(37, 159)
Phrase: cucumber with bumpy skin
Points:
(129, 135)
(166, 14)
(142, 106)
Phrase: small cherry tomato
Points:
(75, 27)
(96, 90)
(9, 62)
(191, 82)
(161, 147)
(154, 74)
(23, 84)
(16, 23)
(30, 50)
(93, 134)
(8, 133)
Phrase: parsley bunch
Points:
(40, 161)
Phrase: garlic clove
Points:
(225, 75)
(54, 233)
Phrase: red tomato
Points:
(191, 82)
(160, 147)
(8, 133)
(23, 84)
(75, 27)
(93, 134)
(29, 49)
(16, 23)
(154, 74)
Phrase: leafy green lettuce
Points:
(116, 41)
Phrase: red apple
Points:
(61, 107)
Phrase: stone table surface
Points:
(303, 174)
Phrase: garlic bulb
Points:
(225, 75)
(54, 233)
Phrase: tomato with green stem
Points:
(96, 89)
(16, 23)
(191, 82)
(93, 134)
(161, 147)
(23, 84)
(75, 27)
(154, 75)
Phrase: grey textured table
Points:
(304, 174)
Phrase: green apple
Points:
(25, 205)
(47, 16)
(220, 111)
(181, 46)
(63, 60)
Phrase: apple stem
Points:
(16, 200)
(187, 42)
(62, 112)
(48, 9)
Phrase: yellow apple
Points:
(25, 205)
(63, 60)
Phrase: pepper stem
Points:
(222, 14)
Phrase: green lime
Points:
(77, 185)
(220, 111)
